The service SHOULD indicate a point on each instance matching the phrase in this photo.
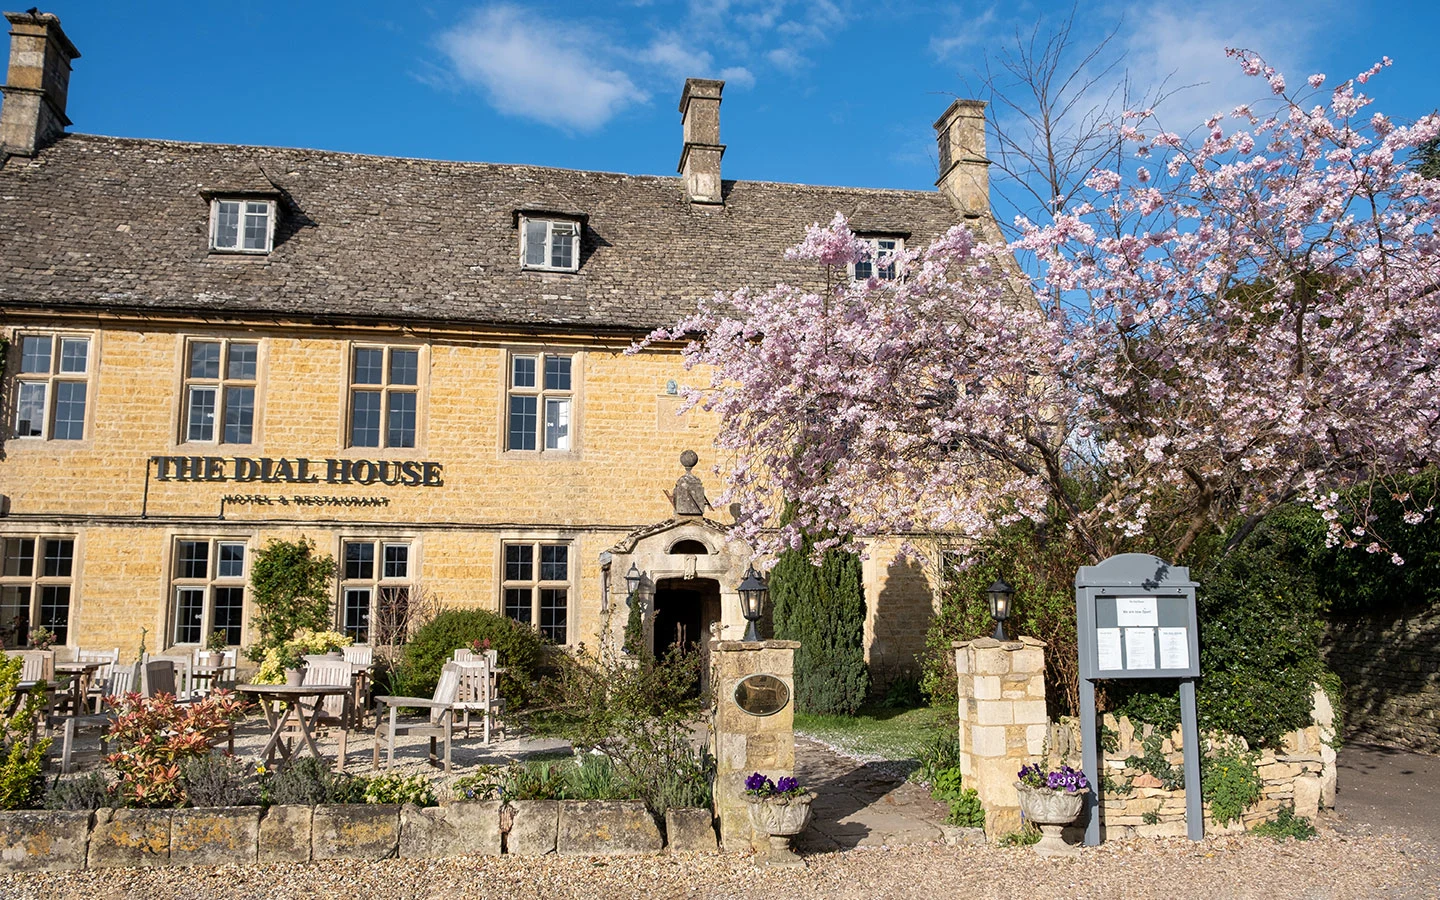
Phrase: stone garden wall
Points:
(44, 840)
(1390, 666)
(1301, 773)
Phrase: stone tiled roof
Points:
(121, 224)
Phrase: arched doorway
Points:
(684, 610)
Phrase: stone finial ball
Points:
(688, 459)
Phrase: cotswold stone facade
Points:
(419, 365)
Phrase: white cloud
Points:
(533, 68)
(785, 58)
(738, 76)
(669, 52)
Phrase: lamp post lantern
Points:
(753, 594)
(999, 596)
(632, 584)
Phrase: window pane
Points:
(557, 373)
(227, 225)
(189, 615)
(369, 365)
(74, 354)
(241, 365)
(517, 604)
(397, 561)
(200, 419)
(535, 242)
(69, 411)
(30, 409)
(392, 615)
(257, 226)
(357, 614)
(400, 430)
(228, 612)
(192, 560)
(55, 610)
(522, 423)
(404, 366)
(360, 560)
(20, 557)
(14, 615)
(886, 268)
(557, 424)
(239, 415)
(562, 247)
(863, 270)
(554, 563)
(35, 355)
(554, 609)
(523, 372)
(204, 359)
(231, 561)
(59, 558)
(365, 419)
(519, 562)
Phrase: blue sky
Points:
(822, 91)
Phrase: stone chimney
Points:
(38, 81)
(700, 158)
(964, 170)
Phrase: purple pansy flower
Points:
(787, 785)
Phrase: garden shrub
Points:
(20, 761)
(639, 712)
(965, 807)
(520, 649)
(290, 586)
(153, 736)
(1286, 825)
(219, 779)
(395, 788)
(308, 781)
(822, 607)
(940, 753)
(1229, 783)
(90, 790)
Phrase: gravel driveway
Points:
(1330, 866)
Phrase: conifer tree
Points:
(822, 607)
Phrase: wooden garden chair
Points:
(440, 723)
(334, 711)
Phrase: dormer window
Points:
(241, 225)
(549, 244)
(882, 259)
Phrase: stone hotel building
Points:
(417, 364)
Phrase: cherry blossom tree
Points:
(1221, 326)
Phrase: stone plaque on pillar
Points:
(745, 741)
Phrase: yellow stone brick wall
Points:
(626, 444)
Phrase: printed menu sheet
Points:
(1107, 649)
(1174, 648)
(1139, 648)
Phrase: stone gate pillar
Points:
(750, 741)
(1002, 721)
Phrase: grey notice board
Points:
(1136, 618)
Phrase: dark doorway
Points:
(684, 610)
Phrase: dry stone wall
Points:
(1390, 667)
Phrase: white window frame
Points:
(49, 380)
(221, 385)
(873, 263)
(576, 232)
(545, 398)
(375, 583)
(387, 391)
(36, 581)
(207, 585)
(536, 584)
(239, 246)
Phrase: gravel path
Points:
(1330, 866)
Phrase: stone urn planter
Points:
(1052, 810)
(781, 816)
(294, 677)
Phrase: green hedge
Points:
(519, 647)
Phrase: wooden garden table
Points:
(291, 700)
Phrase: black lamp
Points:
(632, 584)
(999, 595)
(753, 594)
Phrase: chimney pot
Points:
(37, 82)
(700, 156)
(964, 170)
